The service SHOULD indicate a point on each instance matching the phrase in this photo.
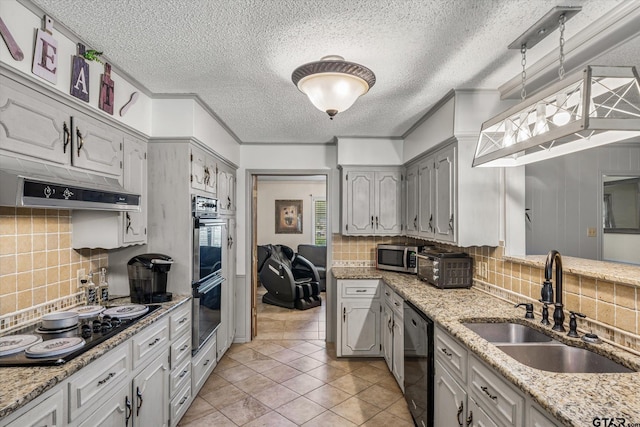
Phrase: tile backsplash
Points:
(611, 308)
(38, 267)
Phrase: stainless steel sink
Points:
(507, 333)
(558, 357)
(538, 350)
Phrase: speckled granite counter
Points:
(21, 385)
(574, 399)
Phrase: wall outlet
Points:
(591, 232)
(80, 275)
(483, 268)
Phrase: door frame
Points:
(251, 234)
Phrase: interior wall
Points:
(269, 192)
(564, 196)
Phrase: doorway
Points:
(309, 192)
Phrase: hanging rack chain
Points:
(523, 61)
(561, 69)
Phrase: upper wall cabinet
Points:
(203, 171)
(372, 201)
(36, 125)
(226, 189)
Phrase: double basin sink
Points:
(540, 351)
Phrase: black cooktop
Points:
(92, 330)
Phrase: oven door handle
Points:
(199, 292)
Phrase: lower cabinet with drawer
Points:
(203, 363)
(471, 393)
(180, 360)
(360, 313)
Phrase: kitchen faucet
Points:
(547, 289)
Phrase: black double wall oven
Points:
(209, 245)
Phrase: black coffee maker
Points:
(148, 278)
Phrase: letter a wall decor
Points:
(80, 75)
(45, 54)
(106, 90)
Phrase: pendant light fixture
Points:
(594, 106)
(333, 84)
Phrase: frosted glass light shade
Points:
(330, 92)
(333, 84)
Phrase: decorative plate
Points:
(87, 311)
(126, 311)
(11, 344)
(54, 347)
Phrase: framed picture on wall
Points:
(288, 216)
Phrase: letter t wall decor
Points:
(106, 90)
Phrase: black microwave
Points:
(401, 258)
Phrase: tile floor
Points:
(289, 376)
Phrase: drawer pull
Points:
(107, 378)
(184, 347)
(206, 362)
(361, 290)
(444, 350)
(486, 391)
(184, 399)
(185, 372)
(184, 319)
(154, 342)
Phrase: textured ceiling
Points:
(238, 55)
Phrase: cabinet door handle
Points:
(184, 347)
(486, 391)
(361, 290)
(128, 223)
(139, 395)
(344, 314)
(444, 350)
(431, 222)
(206, 362)
(184, 319)
(127, 404)
(376, 222)
(460, 409)
(371, 221)
(415, 222)
(67, 137)
(207, 175)
(228, 202)
(107, 378)
(470, 418)
(185, 372)
(80, 140)
(451, 223)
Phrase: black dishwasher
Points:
(418, 365)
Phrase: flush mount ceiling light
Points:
(595, 106)
(333, 84)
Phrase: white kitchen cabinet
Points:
(203, 171)
(134, 224)
(231, 279)
(151, 394)
(202, 364)
(110, 230)
(180, 363)
(116, 411)
(476, 417)
(226, 189)
(450, 399)
(359, 312)
(412, 200)
(435, 195)
(49, 412)
(372, 201)
(536, 417)
(36, 124)
(392, 330)
(179, 404)
(148, 343)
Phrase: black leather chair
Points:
(290, 280)
(317, 255)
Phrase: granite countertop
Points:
(23, 384)
(574, 399)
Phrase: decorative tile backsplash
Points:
(38, 267)
(611, 308)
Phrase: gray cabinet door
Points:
(151, 394)
(386, 328)
(224, 195)
(33, 124)
(450, 399)
(96, 146)
(426, 201)
(412, 201)
(444, 193)
(198, 165)
(388, 203)
(360, 203)
(360, 327)
(135, 180)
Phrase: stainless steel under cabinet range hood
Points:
(25, 183)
